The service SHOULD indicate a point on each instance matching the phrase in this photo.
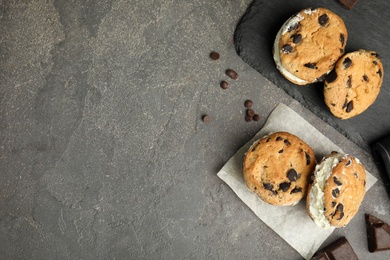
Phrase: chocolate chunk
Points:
(380, 73)
(268, 139)
(224, 84)
(250, 112)
(256, 117)
(296, 38)
(375, 54)
(292, 175)
(342, 39)
(206, 119)
(348, 83)
(307, 158)
(339, 249)
(375, 62)
(279, 138)
(349, 106)
(333, 204)
(365, 78)
(268, 186)
(287, 48)
(348, 3)
(332, 76)
(335, 193)
(311, 66)
(293, 27)
(323, 19)
(248, 118)
(280, 151)
(284, 186)
(345, 103)
(347, 62)
(214, 55)
(322, 78)
(286, 142)
(340, 207)
(378, 234)
(248, 103)
(348, 163)
(231, 74)
(339, 183)
(296, 190)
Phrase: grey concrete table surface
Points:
(103, 153)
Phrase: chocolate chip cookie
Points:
(277, 168)
(354, 84)
(337, 190)
(309, 44)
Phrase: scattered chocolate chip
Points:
(349, 106)
(341, 215)
(292, 175)
(323, 19)
(224, 84)
(322, 78)
(335, 193)
(347, 62)
(375, 62)
(340, 207)
(348, 3)
(231, 74)
(268, 186)
(348, 163)
(296, 190)
(268, 139)
(286, 142)
(214, 55)
(311, 66)
(356, 176)
(307, 158)
(333, 104)
(333, 204)
(248, 118)
(248, 103)
(332, 76)
(375, 54)
(287, 48)
(380, 73)
(296, 38)
(284, 186)
(279, 138)
(256, 117)
(365, 78)
(280, 151)
(293, 27)
(348, 83)
(250, 112)
(206, 119)
(339, 183)
(342, 39)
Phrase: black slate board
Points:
(368, 25)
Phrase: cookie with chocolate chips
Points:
(354, 84)
(337, 189)
(309, 44)
(277, 168)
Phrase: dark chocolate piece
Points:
(231, 74)
(214, 55)
(256, 117)
(349, 106)
(378, 234)
(248, 103)
(339, 183)
(296, 190)
(287, 48)
(206, 119)
(342, 39)
(335, 193)
(296, 38)
(339, 249)
(311, 66)
(268, 186)
(292, 175)
(348, 3)
(323, 19)
(307, 158)
(332, 76)
(284, 186)
(347, 63)
(224, 84)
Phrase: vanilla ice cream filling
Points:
(322, 173)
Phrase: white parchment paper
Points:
(307, 236)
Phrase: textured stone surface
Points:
(103, 153)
